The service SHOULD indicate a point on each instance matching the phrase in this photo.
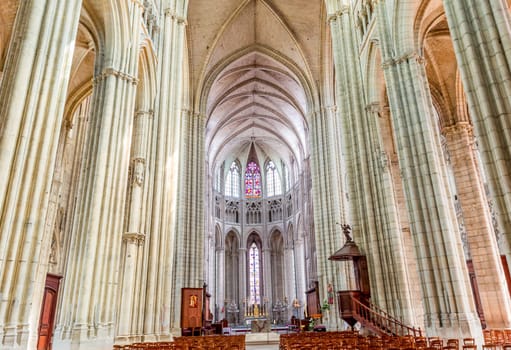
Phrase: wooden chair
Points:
(436, 343)
(490, 347)
(453, 343)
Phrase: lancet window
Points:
(232, 181)
(273, 183)
(252, 181)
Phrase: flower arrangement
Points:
(325, 306)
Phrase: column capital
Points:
(374, 107)
(110, 71)
(457, 127)
(320, 110)
(140, 113)
(172, 14)
(137, 238)
(406, 57)
(197, 115)
(344, 9)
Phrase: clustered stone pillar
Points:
(89, 298)
(163, 297)
(243, 274)
(220, 280)
(129, 328)
(482, 42)
(478, 226)
(32, 95)
(326, 198)
(449, 307)
(190, 225)
(289, 274)
(373, 207)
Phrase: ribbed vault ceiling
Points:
(252, 65)
(256, 99)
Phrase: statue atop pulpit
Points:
(346, 230)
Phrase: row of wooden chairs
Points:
(352, 340)
(497, 339)
(209, 342)
(149, 346)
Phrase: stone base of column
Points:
(457, 326)
(84, 344)
(176, 332)
(127, 339)
(15, 337)
(157, 337)
(86, 337)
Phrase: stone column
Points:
(481, 238)
(96, 239)
(373, 209)
(289, 270)
(90, 295)
(132, 255)
(162, 305)
(243, 273)
(482, 42)
(220, 280)
(189, 236)
(300, 270)
(267, 275)
(448, 302)
(327, 197)
(32, 96)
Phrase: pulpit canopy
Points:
(348, 251)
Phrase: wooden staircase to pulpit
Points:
(355, 305)
(355, 308)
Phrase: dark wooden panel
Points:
(191, 307)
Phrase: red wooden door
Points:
(48, 312)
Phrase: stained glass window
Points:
(232, 181)
(273, 183)
(252, 181)
(255, 290)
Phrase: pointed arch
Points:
(272, 179)
(232, 182)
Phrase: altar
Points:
(256, 317)
(258, 324)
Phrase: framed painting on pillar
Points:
(191, 307)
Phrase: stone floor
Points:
(262, 347)
(262, 341)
